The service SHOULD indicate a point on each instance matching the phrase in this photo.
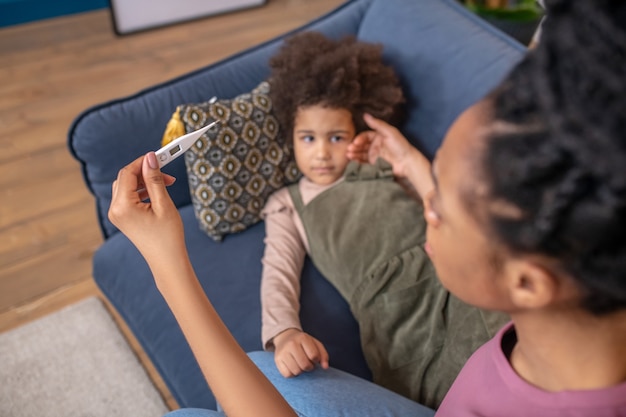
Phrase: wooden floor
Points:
(49, 72)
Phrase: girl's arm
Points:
(283, 259)
(156, 229)
(295, 351)
(385, 141)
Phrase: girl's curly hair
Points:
(558, 149)
(311, 69)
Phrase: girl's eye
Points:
(307, 139)
(336, 139)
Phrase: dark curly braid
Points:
(558, 149)
(311, 69)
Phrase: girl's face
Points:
(466, 259)
(321, 136)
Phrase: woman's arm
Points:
(156, 229)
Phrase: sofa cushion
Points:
(445, 56)
(234, 168)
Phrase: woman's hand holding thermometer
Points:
(171, 151)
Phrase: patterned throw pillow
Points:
(234, 167)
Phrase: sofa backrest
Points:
(446, 57)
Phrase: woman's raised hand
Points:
(384, 141)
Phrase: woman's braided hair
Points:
(311, 69)
(558, 149)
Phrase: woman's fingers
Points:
(141, 186)
(378, 124)
(153, 180)
(168, 179)
(124, 189)
(358, 149)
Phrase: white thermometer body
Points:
(178, 146)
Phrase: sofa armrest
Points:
(108, 136)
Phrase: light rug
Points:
(74, 362)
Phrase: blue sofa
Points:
(446, 59)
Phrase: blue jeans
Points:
(326, 393)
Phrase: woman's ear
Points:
(531, 285)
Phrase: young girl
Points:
(353, 220)
(527, 216)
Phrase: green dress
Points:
(366, 236)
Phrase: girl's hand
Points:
(154, 226)
(297, 352)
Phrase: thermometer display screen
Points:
(175, 150)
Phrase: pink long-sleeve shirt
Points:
(286, 246)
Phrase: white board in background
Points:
(137, 15)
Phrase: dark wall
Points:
(13, 12)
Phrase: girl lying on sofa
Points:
(527, 217)
(360, 228)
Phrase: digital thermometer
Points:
(178, 146)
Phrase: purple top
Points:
(488, 386)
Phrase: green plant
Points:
(513, 10)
